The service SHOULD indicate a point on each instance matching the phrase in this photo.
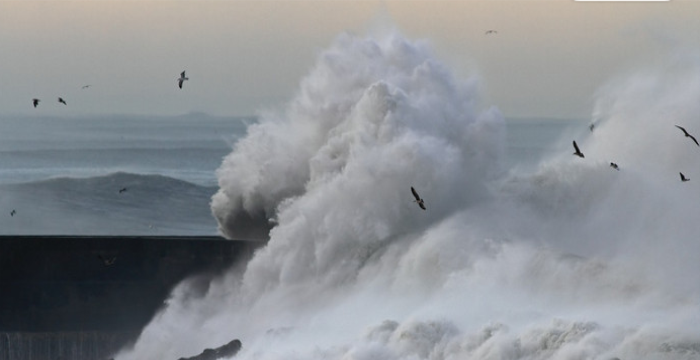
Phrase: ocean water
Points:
(524, 252)
(62, 175)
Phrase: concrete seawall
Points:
(63, 345)
(83, 297)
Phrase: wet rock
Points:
(224, 351)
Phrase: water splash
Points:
(573, 261)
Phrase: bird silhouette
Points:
(60, 99)
(35, 102)
(182, 79)
(488, 32)
(683, 178)
(122, 190)
(688, 135)
(577, 152)
(420, 201)
(13, 212)
(86, 86)
(106, 261)
(614, 166)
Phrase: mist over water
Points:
(571, 260)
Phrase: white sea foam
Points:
(573, 261)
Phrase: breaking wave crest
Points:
(571, 261)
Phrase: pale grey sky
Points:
(547, 59)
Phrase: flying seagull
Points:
(688, 135)
(35, 102)
(182, 79)
(13, 212)
(122, 190)
(683, 178)
(420, 201)
(614, 166)
(107, 262)
(60, 99)
(591, 127)
(490, 32)
(578, 152)
(86, 86)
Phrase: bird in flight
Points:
(591, 127)
(60, 99)
(122, 190)
(182, 79)
(577, 152)
(35, 102)
(688, 135)
(683, 178)
(488, 32)
(107, 262)
(420, 201)
(614, 166)
(13, 212)
(86, 86)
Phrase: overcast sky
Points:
(547, 59)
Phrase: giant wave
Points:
(570, 261)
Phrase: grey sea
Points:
(112, 175)
(63, 175)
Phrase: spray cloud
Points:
(573, 261)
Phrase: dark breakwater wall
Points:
(83, 297)
(63, 345)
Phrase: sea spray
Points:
(370, 110)
(573, 261)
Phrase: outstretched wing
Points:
(421, 204)
(683, 129)
(182, 74)
(415, 194)
(179, 83)
(694, 139)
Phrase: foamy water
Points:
(571, 260)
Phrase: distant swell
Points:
(150, 204)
